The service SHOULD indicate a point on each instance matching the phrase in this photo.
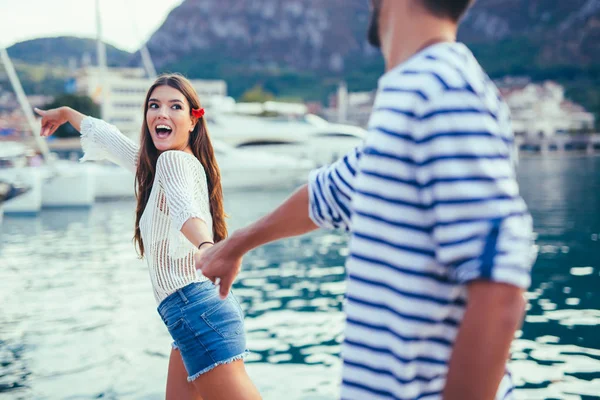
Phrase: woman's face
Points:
(168, 118)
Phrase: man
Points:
(440, 248)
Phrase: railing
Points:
(588, 143)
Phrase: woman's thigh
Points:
(178, 387)
(227, 382)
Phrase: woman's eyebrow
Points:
(170, 101)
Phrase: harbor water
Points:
(78, 319)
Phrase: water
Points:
(78, 319)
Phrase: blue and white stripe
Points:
(432, 203)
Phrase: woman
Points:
(179, 214)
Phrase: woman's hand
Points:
(199, 253)
(52, 119)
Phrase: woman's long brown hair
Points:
(201, 147)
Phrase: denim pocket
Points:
(182, 335)
(170, 315)
(225, 317)
(173, 326)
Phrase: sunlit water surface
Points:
(78, 319)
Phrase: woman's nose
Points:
(162, 112)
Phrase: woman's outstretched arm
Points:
(54, 118)
(99, 140)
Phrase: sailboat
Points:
(15, 171)
(9, 191)
(54, 183)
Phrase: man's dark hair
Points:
(452, 9)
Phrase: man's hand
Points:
(220, 263)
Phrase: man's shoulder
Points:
(441, 69)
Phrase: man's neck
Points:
(409, 34)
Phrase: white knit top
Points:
(179, 192)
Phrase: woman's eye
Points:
(177, 106)
(153, 105)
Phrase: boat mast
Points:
(147, 60)
(144, 52)
(24, 103)
(101, 56)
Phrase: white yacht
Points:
(112, 182)
(60, 183)
(307, 137)
(246, 169)
(14, 170)
(9, 191)
(67, 184)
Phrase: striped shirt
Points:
(432, 203)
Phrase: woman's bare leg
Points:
(178, 388)
(227, 382)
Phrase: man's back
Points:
(432, 204)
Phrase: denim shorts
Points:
(207, 331)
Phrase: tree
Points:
(257, 95)
(83, 104)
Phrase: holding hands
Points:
(220, 263)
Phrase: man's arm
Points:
(481, 229)
(324, 202)
(481, 350)
(291, 218)
(224, 259)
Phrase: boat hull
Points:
(30, 202)
(68, 184)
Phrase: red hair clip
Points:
(198, 112)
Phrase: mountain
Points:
(300, 34)
(304, 48)
(534, 34)
(59, 51)
(330, 36)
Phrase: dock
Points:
(586, 143)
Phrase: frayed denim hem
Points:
(228, 361)
(174, 346)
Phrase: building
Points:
(350, 107)
(541, 110)
(124, 91)
(13, 123)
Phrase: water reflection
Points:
(78, 318)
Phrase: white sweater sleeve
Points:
(184, 182)
(102, 141)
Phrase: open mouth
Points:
(163, 131)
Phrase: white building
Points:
(536, 109)
(541, 110)
(124, 91)
(350, 107)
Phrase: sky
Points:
(126, 24)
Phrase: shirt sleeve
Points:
(103, 141)
(331, 189)
(186, 190)
(480, 223)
